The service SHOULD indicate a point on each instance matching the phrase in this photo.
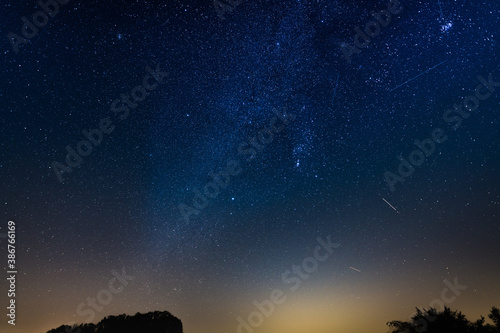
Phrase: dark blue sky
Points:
(219, 83)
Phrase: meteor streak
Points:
(336, 84)
(387, 202)
(355, 269)
(402, 84)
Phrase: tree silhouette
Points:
(495, 317)
(151, 322)
(432, 321)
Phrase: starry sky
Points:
(302, 127)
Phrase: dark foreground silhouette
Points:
(432, 321)
(151, 322)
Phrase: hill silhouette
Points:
(433, 321)
(151, 322)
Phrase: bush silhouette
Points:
(151, 322)
(432, 321)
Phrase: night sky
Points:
(206, 154)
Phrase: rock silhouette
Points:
(432, 321)
(151, 322)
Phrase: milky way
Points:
(206, 148)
